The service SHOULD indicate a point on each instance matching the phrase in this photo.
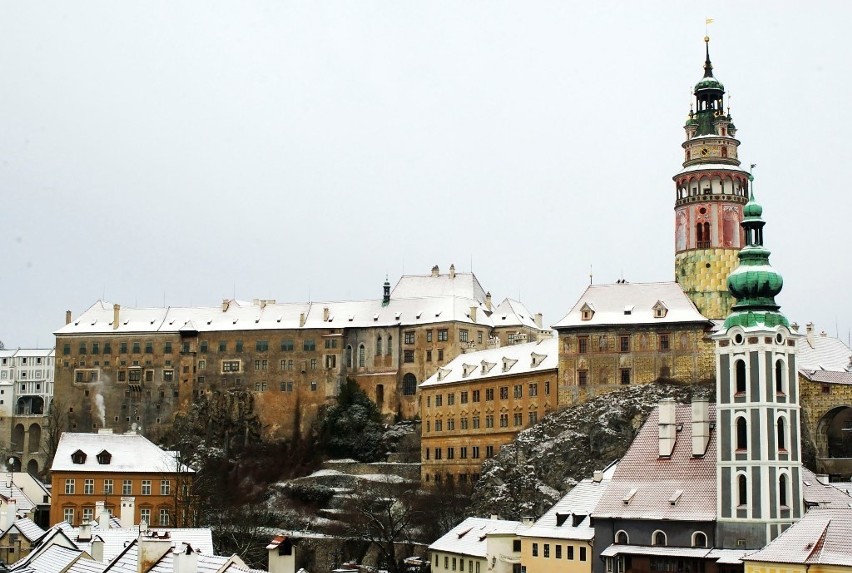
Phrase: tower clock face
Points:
(704, 152)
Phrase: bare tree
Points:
(383, 514)
(55, 423)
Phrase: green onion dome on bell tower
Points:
(754, 283)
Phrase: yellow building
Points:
(479, 402)
(619, 334)
(818, 543)
(561, 540)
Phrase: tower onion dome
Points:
(708, 82)
(754, 283)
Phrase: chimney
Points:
(185, 560)
(435, 271)
(282, 555)
(452, 271)
(116, 311)
(325, 314)
(700, 426)
(151, 549)
(301, 319)
(102, 514)
(667, 430)
(495, 516)
(128, 511)
(527, 520)
(488, 300)
(597, 476)
(473, 314)
(7, 517)
(809, 332)
(225, 304)
(67, 317)
(85, 531)
(538, 319)
(98, 549)
(794, 327)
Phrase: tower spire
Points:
(708, 67)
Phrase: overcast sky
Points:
(185, 152)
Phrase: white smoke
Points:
(99, 404)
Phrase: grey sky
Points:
(187, 151)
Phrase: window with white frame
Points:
(146, 487)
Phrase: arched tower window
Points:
(362, 356)
(349, 356)
(742, 434)
(379, 345)
(621, 538)
(742, 490)
(658, 538)
(699, 539)
(779, 377)
(782, 438)
(390, 344)
(740, 374)
(782, 490)
(409, 384)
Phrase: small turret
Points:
(386, 292)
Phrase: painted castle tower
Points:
(711, 190)
(759, 459)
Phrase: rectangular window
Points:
(504, 420)
(625, 375)
(330, 361)
(664, 342)
(287, 345)
(165, 487)
(137, 348)
(122, 348)
(66, 350)
(463, 423)
(451, 399)
(231, 366)
(107, 487)
(145, 515)
(68, 515)
(475, 452)
(582, 377)
(489, 420)
(428, 356)
(518, 391)
(443, 335)
(451, 453)
(439, 400)
(146, 487)
(439, 425)
(582, 553)
(82, 348)
(475, 396)
(223, 346)
(504, 392)
(260, 364)
(168, 375)
(489, 451)
(582, 344)
(535, 549)
(463, 334)
(261, 346)
(134, 375)
(149, 348)
(533, 418)
(408, 356)
(547, 387)
(463, 452)
(437, 450)
(558, 551)
(463, 397)
(451, 424)
(239, 346)
(164, 517)
(202, 364)
(69, 486)
(624, 344)
(489, 394)
(309, 345)
(428, 336)
(89, 486)
(547, 550)
(127, 487)
(533, 389)
(440, 355)
(96, 348)
(88, 513)
(313, 364)
(476, 422)
(408, 337)
(569, 551)
(518, 419)
(107, 348)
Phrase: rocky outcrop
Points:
(545, 461)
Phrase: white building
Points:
(479, 545)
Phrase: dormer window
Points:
(587, 311)
(78, 457)
(537, 359)
(508, 363)
(104, 457)
(660, 310)
(628, 310)
(468, 369)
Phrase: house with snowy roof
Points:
(126, 474)
(479, 401)
(479, 545)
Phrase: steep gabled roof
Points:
(822, 536)
(469, 536)
(131, 452)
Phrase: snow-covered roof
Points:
(822, 536)
(115, 540)
(822, 352)
(511, 312)
(130, 452)
(650, 483)
(569, 517)
(464, 285)
(26, 527)
(823, 495)
(54, 559)
(509, 360)
(23, 503)
(713, 167)
(238, 316)
(470, 536)
(26, 352)
(632, 303)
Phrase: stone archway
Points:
(834, 441)
(32, 467)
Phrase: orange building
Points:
(130, 475)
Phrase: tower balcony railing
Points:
(703, 244)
